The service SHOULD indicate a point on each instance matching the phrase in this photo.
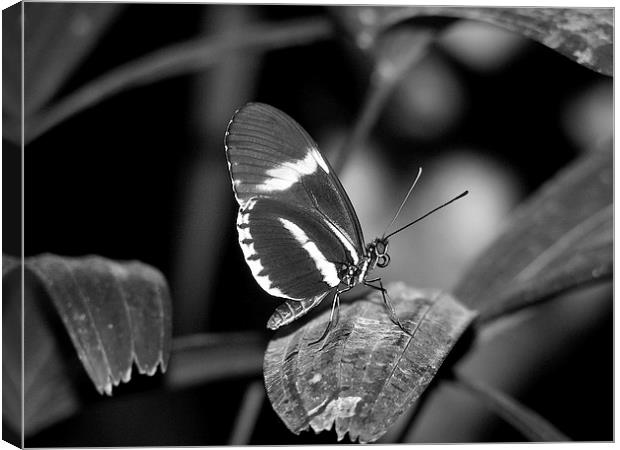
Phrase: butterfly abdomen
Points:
(289, 311)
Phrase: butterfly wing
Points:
(297, 227)
(291, 251)
(271, 156)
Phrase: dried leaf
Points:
(560, 239)
(367, 371)
(115, 313)
(584, 35)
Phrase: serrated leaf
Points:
(560, 239)
(130, 296)
(367, 371)
(116, 314)
(48, 385)
(51, 381)
(584, 35)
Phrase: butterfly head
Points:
(377, 250)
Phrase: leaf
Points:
(57, 37)
(116, 314)
(51, 381)
(48, 385)
(12, 386)
(584, 35)
(8, 264)
(560, 239)
(533, 426)
(367, 371)
(11, 67)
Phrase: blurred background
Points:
(142, 175)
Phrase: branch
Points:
(186, 57)
(201, 358)
(396, 57)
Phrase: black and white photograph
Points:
(299, 224)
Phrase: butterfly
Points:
(298, 230)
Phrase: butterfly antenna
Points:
(404, 201)
(463, 194)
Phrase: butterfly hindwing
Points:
(271, 156)
(291, 251)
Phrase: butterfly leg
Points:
(335, 304)
(388, 304)
(372, 281)
(333, 319)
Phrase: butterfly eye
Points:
(380, 248)
(383, 260)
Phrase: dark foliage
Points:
(125, 108)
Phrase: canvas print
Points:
(244, 224)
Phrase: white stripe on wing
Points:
(327, 269)
(288, 173)
(344, 240)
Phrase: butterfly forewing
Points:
(271, 156)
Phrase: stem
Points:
(248, 414)
(206, 206)
(201, 358)
(532, 425)
(374, 102)
(394, 61)
(189, 56)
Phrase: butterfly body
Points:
(375, 255)
(349, 275)
(298, 231)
